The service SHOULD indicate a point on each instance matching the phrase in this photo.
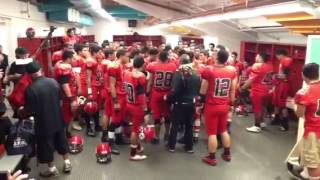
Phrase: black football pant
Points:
(182, 114)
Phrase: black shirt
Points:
(4, 63)
(184, 87)
(5, 125)
(43, 99)
(19, 69)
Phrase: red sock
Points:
(226, 151)
(212, 155)
(133, 149)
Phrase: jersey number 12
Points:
(222, 87)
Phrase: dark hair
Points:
(108, 52)
(235, 54)
(311, 71)
(191, 55)
(144, 50)
(153, 51)
(21, 51)
(221, 47)
(121, 52)
(67, 54)
(181, 52)
(222, 56)
(265, 57)
(78, 47)
(167, 47)
(135, 52)
(282, 52)
(205, 52)
(105, 43)
(164, 56)
(286, 71)
(70, 29)
(138, 61)
(212, 44)
(94, 48)
(185, 59)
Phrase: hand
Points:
(17, 76)
(17, 175)
(116, 107)
(74, 105)
(165, 97)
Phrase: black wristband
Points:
(202, 98)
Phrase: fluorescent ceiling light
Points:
(103, 13)
(247, 13)
(95, 4)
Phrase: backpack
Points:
(21, 139)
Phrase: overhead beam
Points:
(290, 17)
(156, 11)
(307, 22)
(154, 3)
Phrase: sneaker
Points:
(226, 157)
(171, 149)
(209, 161)
(189, 150)
(295, 172)
(155, 141)
(114, 148)
(67, 167)
(195, 140)
(263, 125)
(283, 128)
(121, 140)
(104, 137)
(49, 174)
(76, 126)
(137, 157)
(254, 129)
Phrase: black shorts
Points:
(46, 145)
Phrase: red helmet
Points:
(103, 153)
(147, 133)
(76, 144)
(91, 107)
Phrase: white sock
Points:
(67, 161)
(111, 135)
(53, 168)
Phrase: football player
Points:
(218, 86)
(260, 81)
(118, 99)
(135, 83)
(159, 84)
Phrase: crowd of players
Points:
(128, 85)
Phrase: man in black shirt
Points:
(3, 64)
(185, 88)
(18, 68)
(5, 124)
(43, 102)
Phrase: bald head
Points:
(185, 59)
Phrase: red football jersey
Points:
(162, 75)
(220, 81)
(135, 88)
(57, 56)
(310, 98)
(117, 71)
(70, 40)
(280, 93)
(262, 76)
(245, 74)
(105, 66)
(65, 71)
(285, 63)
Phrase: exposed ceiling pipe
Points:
(163, 6)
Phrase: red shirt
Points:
(220, 81)
(285, 63)
(135, 88)
(280, 93)
(89, 64)
(105, 65)
(57, 56)
(262, 75)
(70, 39)
(117, 71)
(64, 74)
(162, 75)
(245, 74)
(310, 98)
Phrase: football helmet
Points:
(91, 107)
(103, 153)
(146, 133)
(76, 144)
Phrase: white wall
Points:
(16, 23)
(288, 38)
